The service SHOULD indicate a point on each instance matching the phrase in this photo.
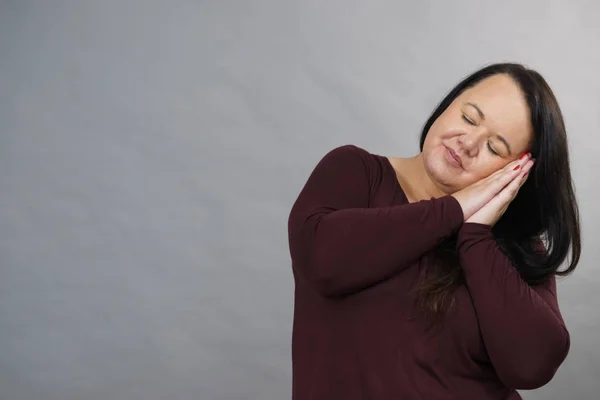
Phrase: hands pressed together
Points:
(486, 200)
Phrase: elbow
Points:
(323, 273)
(324, 281)
(531, 378)
(328, 288)
(538, 370)
(324, 276)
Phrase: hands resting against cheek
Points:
(486, 200)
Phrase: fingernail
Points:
(523, 156)
(516, 168)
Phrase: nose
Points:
(468, 144)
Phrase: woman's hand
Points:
(499, 184)
(490, 213)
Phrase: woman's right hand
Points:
(478, 194)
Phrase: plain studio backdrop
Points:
(150, 152)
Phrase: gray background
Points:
(150, 153)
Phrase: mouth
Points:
(453, 157)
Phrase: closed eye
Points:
(492, 150)
(468, 120)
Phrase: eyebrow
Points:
(500, 137)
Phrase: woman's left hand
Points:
(490, 213)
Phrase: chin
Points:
(440, 172)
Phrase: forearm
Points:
(347, 250)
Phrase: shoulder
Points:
(349, 151)
(356, 165)
(353, 156)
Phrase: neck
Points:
(420, 184)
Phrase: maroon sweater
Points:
(357, 249)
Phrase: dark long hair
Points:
(541, 224)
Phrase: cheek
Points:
(435, 133)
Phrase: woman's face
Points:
(486, 127)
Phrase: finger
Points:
(512, 171)
(510, 191)
(528, 165)
(510, 166)
(522, 161)
(504, 169)
(504, 179)
(525, 172)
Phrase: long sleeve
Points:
(521, 325)
(339, 245)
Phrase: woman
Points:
(414, 278)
